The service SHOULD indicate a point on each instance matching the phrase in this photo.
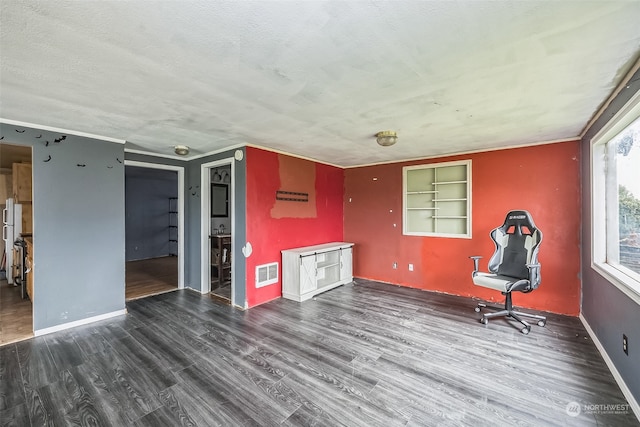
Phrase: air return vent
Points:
(266, 274)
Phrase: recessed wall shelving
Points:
(437, 199)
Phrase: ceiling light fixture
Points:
(386, 138)
(181, 150)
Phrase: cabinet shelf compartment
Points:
(327, 264)
(328, 275)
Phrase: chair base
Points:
(510, 313)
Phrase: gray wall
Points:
(607, 310)
(147, 217)
(78, 225)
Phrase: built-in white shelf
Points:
(437, 199)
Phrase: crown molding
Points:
(61, 130)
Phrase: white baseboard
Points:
(81, 322)
(635, 407)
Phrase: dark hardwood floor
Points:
(151, 277)
(367, 354)
(223, 293)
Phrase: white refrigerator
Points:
(11, 230)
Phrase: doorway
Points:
(16, 275)
(154, 228)
(218, 224)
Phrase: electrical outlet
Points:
(395, 265)
(625, 344)
(410, 267)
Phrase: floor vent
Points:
(266, 274)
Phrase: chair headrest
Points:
(519, 222)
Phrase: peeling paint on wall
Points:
(296, 175)
(268, 234)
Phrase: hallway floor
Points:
(151, 277)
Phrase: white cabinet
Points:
(311, 270)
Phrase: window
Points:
(437, 199)
(615, 158)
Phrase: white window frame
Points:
(621, 277)
(436, 166)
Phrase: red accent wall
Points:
(544, 179)
(276, 225)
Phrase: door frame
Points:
(33, 222)
(180, 170)
(205, 224)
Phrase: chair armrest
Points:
(522, 285)
(534, 275)
(475, 264)
(531, 266)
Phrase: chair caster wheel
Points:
(477, 309)
(526, 330)
(484, 321)
(542, 323)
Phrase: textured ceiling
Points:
(315, 78)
